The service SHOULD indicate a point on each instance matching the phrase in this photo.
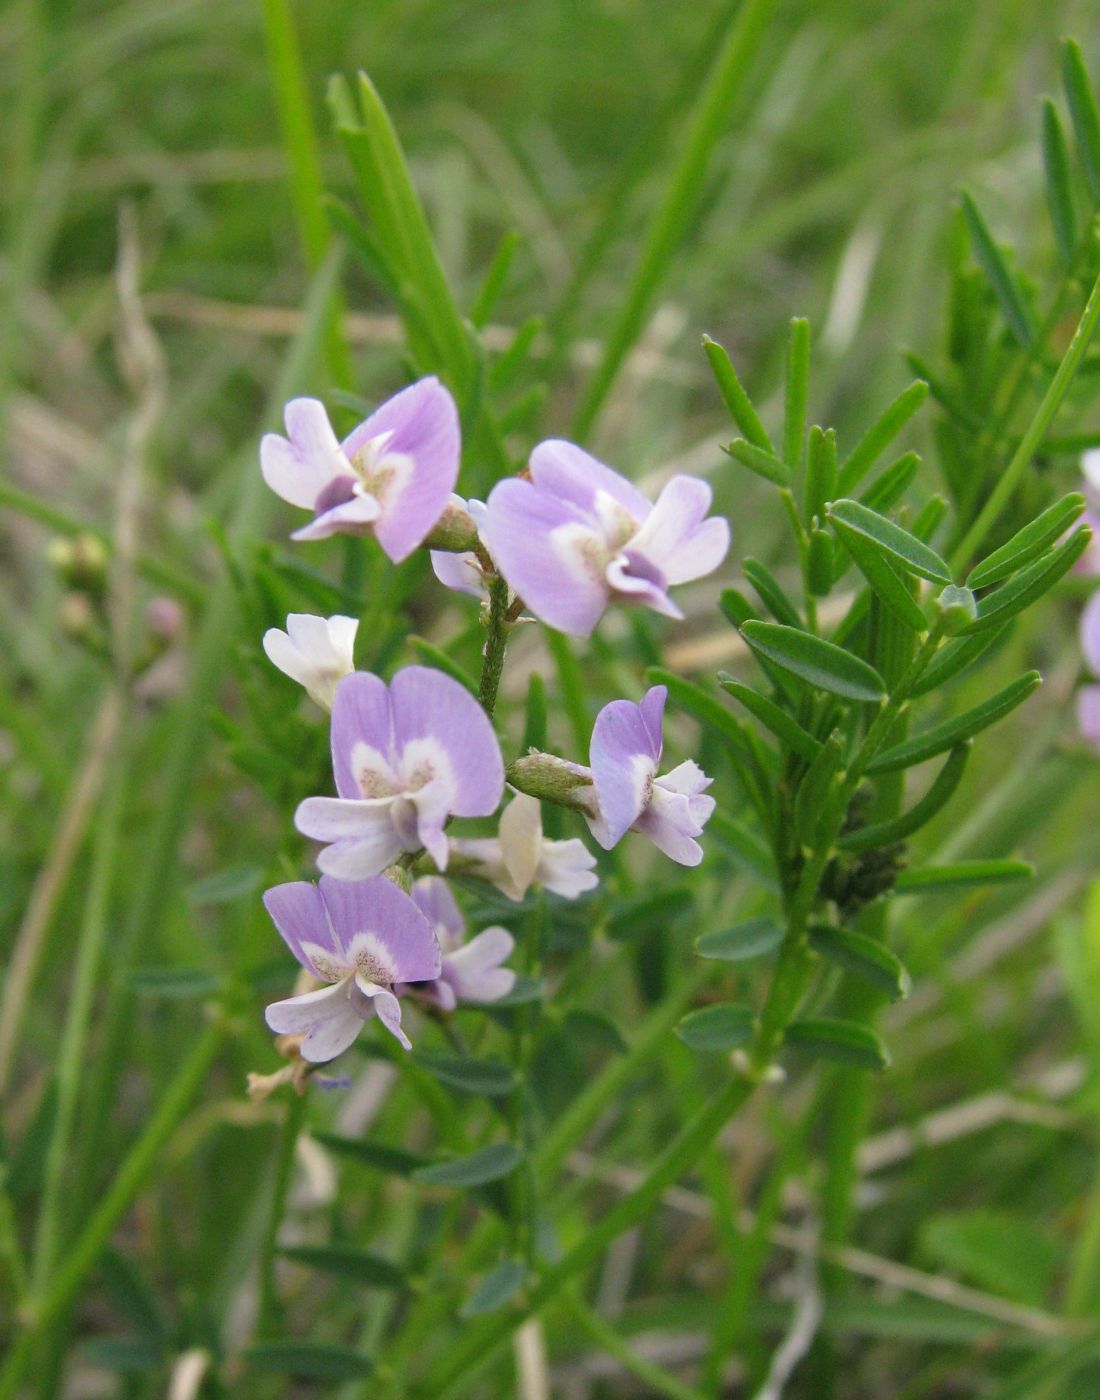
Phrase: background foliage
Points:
(149, 827)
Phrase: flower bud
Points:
(455, 531)
(552, 779)
(81, 562)
(958, 607)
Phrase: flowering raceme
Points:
(362, 938)
(314, 651)
(392, 477)
(577, 536)
(406, 757)
(411, 754)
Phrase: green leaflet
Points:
(884, 580)
(816, 662)
(1005, 286)
(346, 1262)
(764, 464)
(820, 473)
(770, 714)
(864, 957)
(1028, 543)
(848, 1042)
(490, 1163)
(498, 1287)
(1083, 114)
(1030, 583)
(955, 656)
(491, 1078)
(312, 1361)
(1059, 176)
(867, 838)
(372, 1154)
(880, 435)
(735, 397)
(898, 545)
(963, 872)
(770, 593)
(954, 731)
(753, 939)
(716, 1029)
(798, 377)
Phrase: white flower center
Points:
(372, 959)
(379, 472)
(373, 772)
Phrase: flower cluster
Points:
(410, 756)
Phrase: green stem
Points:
(656, 1379)
(73, 1049)
(1044, 415)
(566, 1133)
(11, 1252)
(284, 1170)
(496, 643)
(479, 1342)
(63, 1286)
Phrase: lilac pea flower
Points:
(314, 651)
(1089, 562)
(624, 755)
(472, 971)
(1088, 696)
(463, 572)
(362, 938)
(1089, 633)
(577, 536)
(407, 757)
(520, 856)
(391, 477)
(1088, 714)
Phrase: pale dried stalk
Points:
(53, 877)
(808, 1312)
(856, 1261)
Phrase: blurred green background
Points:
(832, 195)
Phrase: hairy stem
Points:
(496, 644)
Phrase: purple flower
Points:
(1088, 713)
(391, 477)
(471, 971)
(519, 856)
(407, 757)
(1089, 562)
(1088, 696)
(360, 937)
(1089, 633)
(577, 536)
(624, 755)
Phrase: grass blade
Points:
(880, 435)
(1005, 287)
